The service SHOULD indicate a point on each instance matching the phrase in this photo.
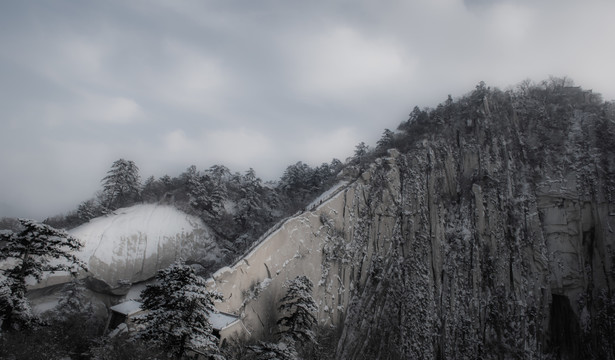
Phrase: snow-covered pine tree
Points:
(219, 176)
(177, 311)
(73, 300)
(361, 150)
(6, 300)
(250, 203)
(149, 193)
(28, 254)
(205, 197)
(298, 308)
(296, 182)
(122, 185)
(73, 324)
(197, 193)
(386, 141)
(88, 210)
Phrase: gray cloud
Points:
(261, 84)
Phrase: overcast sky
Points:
(259, 84)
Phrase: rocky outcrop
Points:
(490, 236)
(133, 243)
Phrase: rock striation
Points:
(488, 235)
(133, 243)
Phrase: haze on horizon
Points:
(169, 84)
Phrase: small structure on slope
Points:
(123, 313)
(223, 324)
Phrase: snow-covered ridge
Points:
(291, 248)
(133, 243)
(327, 194)
(334, 191)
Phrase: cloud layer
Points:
(170, 84)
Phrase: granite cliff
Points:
(486, 233)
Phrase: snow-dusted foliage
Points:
(73, 300)
(15, 311)
(122, 185)
(487, 233)
(88, 210)
(298, 310)
(273, 351)
(301, 182)
(386, 141)
(36, 249)
(177, 310)
(205, 195)
(250, 203)
(489, 236)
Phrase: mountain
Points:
(486, 233)
(133, 243)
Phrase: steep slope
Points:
(490, 236)
(133, 243)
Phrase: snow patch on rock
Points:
(132, 244)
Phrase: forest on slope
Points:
(238, 207)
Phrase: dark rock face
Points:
(490, 237)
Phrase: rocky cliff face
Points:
(489, 236)
(497, 240)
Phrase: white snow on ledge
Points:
(327, 194)
(220, 320)
(333, 192)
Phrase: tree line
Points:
(239, 207)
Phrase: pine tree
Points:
(250, 204)
(298, 308)
(298, 183)
(386, 140)
(73, 324)
(336, 166)
(204, 195)
(73, 300)
(177, 311)
(29, 253)
(88, 210)
(150, 192)
(361, 150)
(122, 185)
(219, 175)
(197, 193)
(167, 183)
(6, 299)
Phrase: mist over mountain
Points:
(481, 228)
